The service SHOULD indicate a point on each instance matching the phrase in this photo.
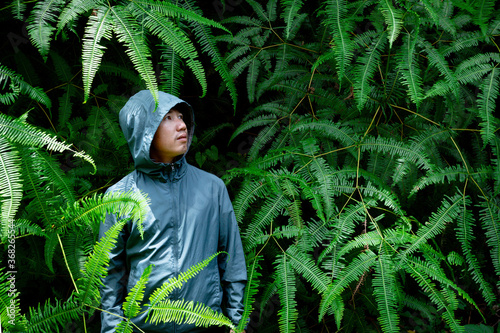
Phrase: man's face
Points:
(171, 138)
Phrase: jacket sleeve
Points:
(113, 290)
(232, 266)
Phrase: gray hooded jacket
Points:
(190, 217)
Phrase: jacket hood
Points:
(139, 121)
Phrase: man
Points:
(190, 217)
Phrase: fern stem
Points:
(114, 314)
(66, 262)
(415, 113)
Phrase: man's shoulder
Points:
(123, 185)
(204, 176)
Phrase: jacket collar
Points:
(169, 172)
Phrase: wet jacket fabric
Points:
(190, 217)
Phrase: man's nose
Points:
(181, 125)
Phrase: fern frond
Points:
(171, 35)
(183, 312)
(343, 47)
(171, 10)
(437, 59)
(465, 235)
(92, 210)
(129, 32)
(51, 243)
(160, 294)
(74, 9)
(288, 314)
(98, 27)
(96, 267)
(208, 45)
(489, 217)
(393, 19)
(440, 176)
(11, 187)
(259, 10)
(482, 14)
(25, 134)
(51, 172)
(446, 213)
(365, 70)
(132, 304)
(77, 246)
(356, 268)
(434, 294)
(394, 147)
(487, 106)
(171, 77)
(27, 227)
(253, 74)
(270, 210)
(289, 14)
(53, 315)
(385, 290)
(40, 23)
(410, 72)
(18, 86)
(251, 289)
(307, 268)
(327, 129)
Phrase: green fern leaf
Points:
(343, 47)
(482, 14)
(436, 59)
(465, 235)
(18, 86)
(487, 106)
(92, 210)
(366, 69)
(181, 312)
(446, 213)
(410, 72)
(251, 289)
(393, 19)
(130, 33)
(77, 247)
(436, 297)
(208, 46)
(11, 188)
(73, 9)
(171, 77)
(131, 306)
(95, 267)
(288, 314)
(289, 14)
(171, 35)
(51, 243)
(259, 10)
(53, 315)
(307, 268)
(385, 285)
(161, 293)
(20, 132)
(171, 10)
(98, 27)
(269, 211)
(39, 24)
(490, 211)
(27, 227)
(356, 268)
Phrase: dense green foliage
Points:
(368, 197)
